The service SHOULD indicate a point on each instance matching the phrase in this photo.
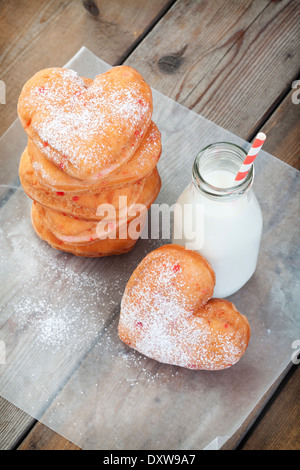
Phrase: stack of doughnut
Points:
(168, 313)
(90, 164)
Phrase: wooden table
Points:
(234, 62)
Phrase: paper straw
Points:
(251, 156)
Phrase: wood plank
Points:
(282, 413)
(43, 438)
(283, 132)
(36, 35)
(232, 63)
(13, 423)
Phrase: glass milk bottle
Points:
(220, 217)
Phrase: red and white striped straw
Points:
(251, 156)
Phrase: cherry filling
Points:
(27, 124)
(176, 268)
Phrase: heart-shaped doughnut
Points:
(88, 128)
(140, 165)
(76, 231)
(97, 248)
(167, 313)
(84, 204)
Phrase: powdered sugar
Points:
(85, 125)
(163, 312)
(57, 326)
(163, 326)
(61, 304)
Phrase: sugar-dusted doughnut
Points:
(140, 165)
(74, 231)
(82, 204)
(168, 315)
(87, 128)
(95, 249)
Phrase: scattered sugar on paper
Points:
(59, 301)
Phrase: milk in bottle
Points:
(220, 217)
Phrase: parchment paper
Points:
(62, 360)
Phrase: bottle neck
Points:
(215, 168)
